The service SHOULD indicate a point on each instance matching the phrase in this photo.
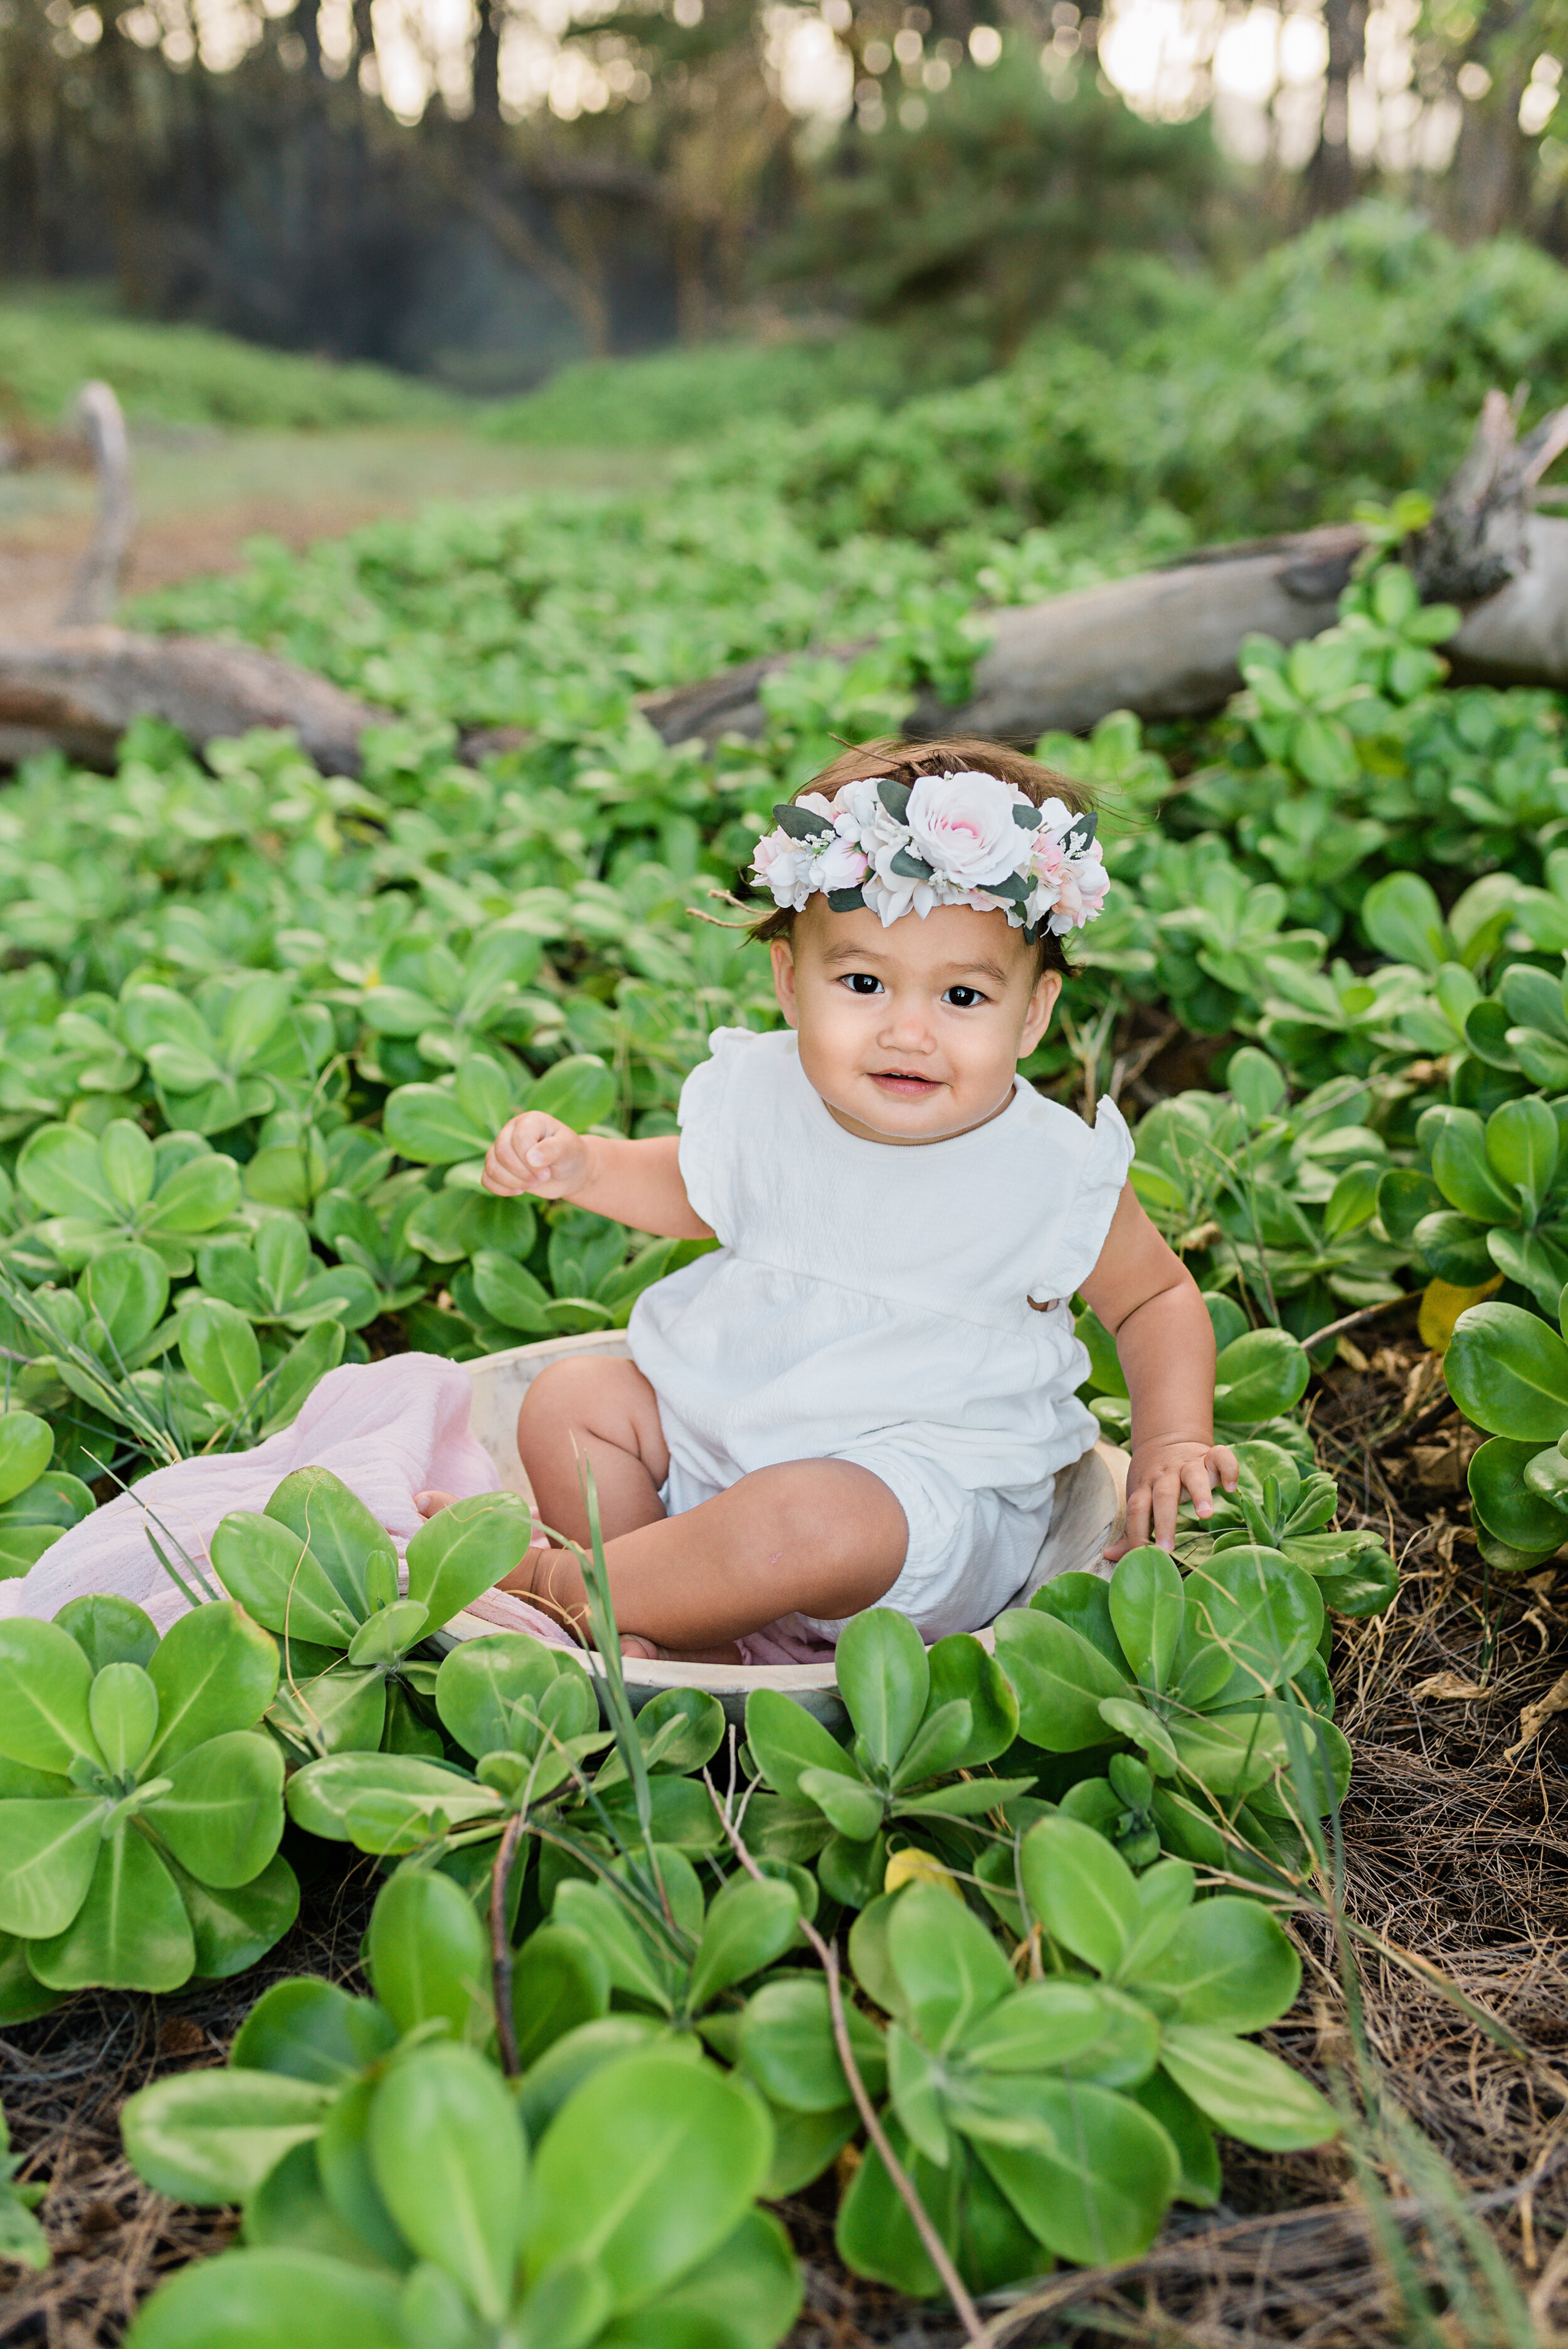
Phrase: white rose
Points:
(963, 825)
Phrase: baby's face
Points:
(914, 1032)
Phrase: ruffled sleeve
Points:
(1073, 1243)
(707, 1151)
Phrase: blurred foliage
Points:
(999, 198)
(1348, 363)
(53, 339)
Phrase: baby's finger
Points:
(1167, 1501)
(1135, 1532)
(1222, 1461)
(1200, 1487)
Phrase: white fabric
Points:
(388, 1429)
(870, 1302)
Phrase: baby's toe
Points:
(631, 1645)
(429, 1504)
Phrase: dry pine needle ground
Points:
(1455, 1850)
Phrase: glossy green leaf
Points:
(218, 1348)
(448, 2156)
(49, 1850)
(950, 1970)
(223, 1813)
(988, 2241)
(1463, 1171)
(1229, 1963)
(108, 1630)
(214, 1671)
(962, 1672)
(428, 1955)
(235, 1925)
(1100, 2194)
(45, 1679)
(319, 1509)
(1147, 1611)
(691, 2149)
(1059, 1680)
(885, 1680)
(211, 2136)
(748, 1925)
(580, 1090)
(1081, 1891)
(131, 1931)
(788, 2046)
(1266, 1614)
(307, 2029)
(1521, 1147)
(25, 1447)
(122, 1707)
(786, 1740)
(483, 1681)
(1246, 2092)
(272, 2299)
(1260, 1375)
(1508, 1372)
(560, 1981)
(463, 1550)
(1510, 1503)
(855, 1810)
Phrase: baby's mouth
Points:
(903, 1084)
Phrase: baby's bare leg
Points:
(822, 1537)
(604, 1413)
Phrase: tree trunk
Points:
(1330, 176)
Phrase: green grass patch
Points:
(53, 340)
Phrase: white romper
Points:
(870, 1302)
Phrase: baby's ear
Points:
(783, 957)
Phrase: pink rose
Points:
(963, 826)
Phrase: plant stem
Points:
(935, 2249)
(500, 1944)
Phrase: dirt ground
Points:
(200, 496)
(1443, 2219)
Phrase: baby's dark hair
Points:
(956, 754)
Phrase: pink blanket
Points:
(388, 1429)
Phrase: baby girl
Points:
(865, 1394)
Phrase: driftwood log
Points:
(1163, 643)
(80, 688)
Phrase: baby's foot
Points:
(429, 1504)
(631, 1645)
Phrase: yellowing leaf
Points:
(1441, 1304)
(913, 1866)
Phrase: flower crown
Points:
(940, 840)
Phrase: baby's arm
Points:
(1150, 1302)
(636, 1183)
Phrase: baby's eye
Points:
(963, 999)
(863, 982)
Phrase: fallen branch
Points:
(80, 688)
(95, 591)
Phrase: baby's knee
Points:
(841, 1514)
(587, 1394)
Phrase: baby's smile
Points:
(903, 1084)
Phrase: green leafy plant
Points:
(1187, 1670)
(920, 1716)
(527, 1716)
(1508, 1372)
(445, 2223)
(38, 1503)
(317, 1569)
(22, 2239)
(1275, 1507)
(140, 1811)
(1489, 1201)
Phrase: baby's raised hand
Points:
(536, 1152)
(1162, 1476)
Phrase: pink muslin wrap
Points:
(388, 1429)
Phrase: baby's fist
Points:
(538, 1153)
